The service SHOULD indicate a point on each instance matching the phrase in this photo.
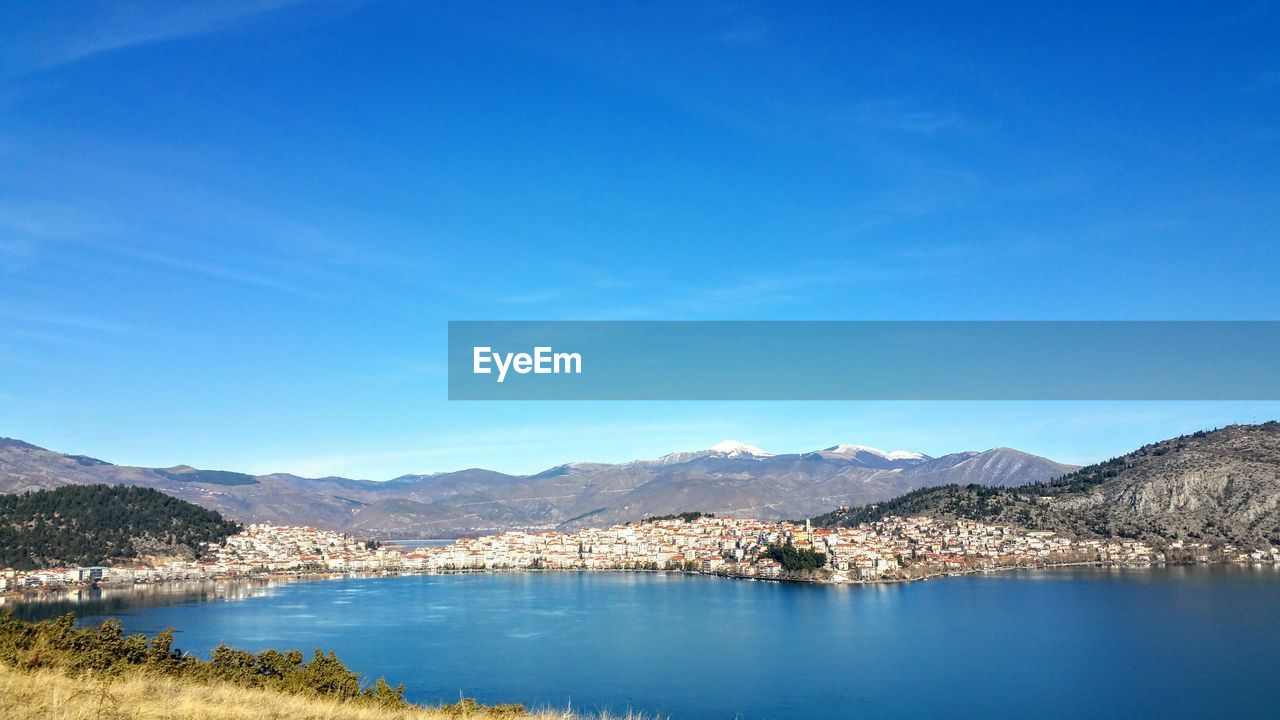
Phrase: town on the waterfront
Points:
(888, 550)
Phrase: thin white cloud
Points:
(152, 218)
(902, 116)
(71, 32)
(75, 322)
(209, 269)
(532, 297)
(753, 292)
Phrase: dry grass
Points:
(51, 695)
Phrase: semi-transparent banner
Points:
(864, 360)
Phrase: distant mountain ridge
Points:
(1219, 486)
(729, 478)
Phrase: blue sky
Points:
(231, 234)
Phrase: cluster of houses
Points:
(282, 548)
(893, 548)
(259, 549)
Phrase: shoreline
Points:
(58, 593)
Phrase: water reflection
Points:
(129, 599)
(1061, 643)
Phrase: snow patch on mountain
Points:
(850, 450)
(722, 449)
(733, 448)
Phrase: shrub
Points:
(794, 559)
(107, 650)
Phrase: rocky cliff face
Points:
(1218, 486)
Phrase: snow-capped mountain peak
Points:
(723, 449)
(852, 451)
(733, 448)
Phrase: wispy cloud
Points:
(74, 322)
(8, 357)
(531, 297)
(718, 301)
(544, 282)
(396, 371)
(52, 220)
(765, 290)
(741, 29)
(902, 116)
(46, 225)
(162, 215)
(817, 284)
(76, 31)
(22, 330)
(206, 268)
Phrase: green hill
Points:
(97, 524)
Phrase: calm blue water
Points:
(1175, 643)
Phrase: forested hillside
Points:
(95, 524)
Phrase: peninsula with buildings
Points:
(890, 549)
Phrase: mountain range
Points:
(729, 478)
(1218, 486)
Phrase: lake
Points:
(1071, 643)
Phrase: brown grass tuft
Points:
(51, 695)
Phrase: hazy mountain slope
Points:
(24, 467)
(730, 478)
(1221, 485)
(270, 498)
(400, 517)
(1001, 466)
